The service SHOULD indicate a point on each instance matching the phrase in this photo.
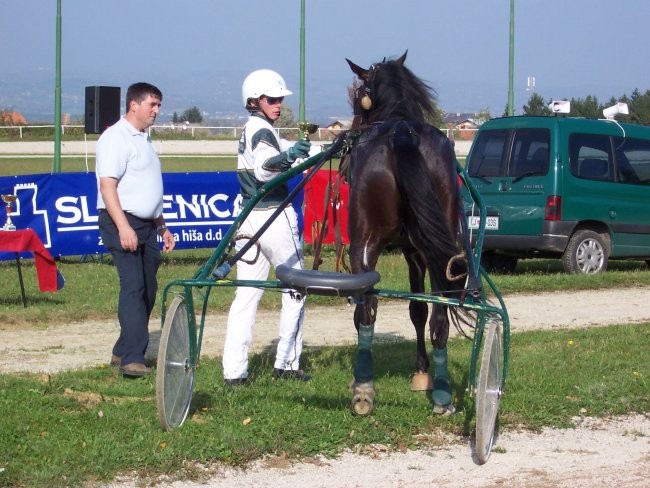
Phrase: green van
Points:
(572, 188)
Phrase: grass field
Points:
(18, 165)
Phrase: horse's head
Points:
(389, 90)
(363, 93)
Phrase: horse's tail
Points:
(432, 230)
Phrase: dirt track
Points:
(77, 345)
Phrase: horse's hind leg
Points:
(418, 312)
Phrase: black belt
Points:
(129, 215)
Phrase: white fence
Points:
(201, 139)
(323, 133)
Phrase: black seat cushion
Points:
(327, 283)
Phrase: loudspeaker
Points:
(610, 113)
(102, 108)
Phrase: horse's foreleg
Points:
(363, 391)
(441, 394)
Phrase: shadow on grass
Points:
(329, 389)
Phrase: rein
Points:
(332, 199)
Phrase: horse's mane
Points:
(398, 94)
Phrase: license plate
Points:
(491, 222)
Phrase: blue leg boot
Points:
(441, 393)
(363, 390)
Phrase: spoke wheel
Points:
(174, 375)
(489, 388)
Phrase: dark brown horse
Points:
(403, 191)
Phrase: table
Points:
(49, 277)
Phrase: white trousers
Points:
(280, 244)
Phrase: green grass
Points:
(70, 428)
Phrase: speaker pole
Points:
(56, 163)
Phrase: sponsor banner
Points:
(61, 208)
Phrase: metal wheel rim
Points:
(175, 376)
(590, 256)
(488, 395)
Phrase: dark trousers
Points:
(138, 285)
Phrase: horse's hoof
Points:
(363, 397)
(444, 410)
(421, 382)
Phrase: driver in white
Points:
(262, 155)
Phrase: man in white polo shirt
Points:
(130, 202)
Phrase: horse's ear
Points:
(402, 58)
(358, 70)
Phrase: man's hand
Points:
(169, 243)
(128, 238)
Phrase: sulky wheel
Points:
(175, 375)
(489, 388)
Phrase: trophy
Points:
(306, 128)
(9, 199)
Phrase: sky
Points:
(199, 51)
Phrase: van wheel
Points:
(498, 263)
(585, 253)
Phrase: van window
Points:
(632, 160)
(529, 153)
(590, 157)
(487, 155)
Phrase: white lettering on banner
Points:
(223, 198)
(76, 209)
(167, 204)
(191, 235)
(194, 207)
(199, 206)
(196, 235)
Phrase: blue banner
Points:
(61, 208)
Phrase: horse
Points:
(404, 192)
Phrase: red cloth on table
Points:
(27, 240)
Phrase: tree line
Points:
(589, 107)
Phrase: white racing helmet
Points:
(264, 82)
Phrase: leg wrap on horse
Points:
(441, 394)
(363, 365)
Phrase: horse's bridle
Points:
(363, 98)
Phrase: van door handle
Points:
(612, 213)
(503, 185)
